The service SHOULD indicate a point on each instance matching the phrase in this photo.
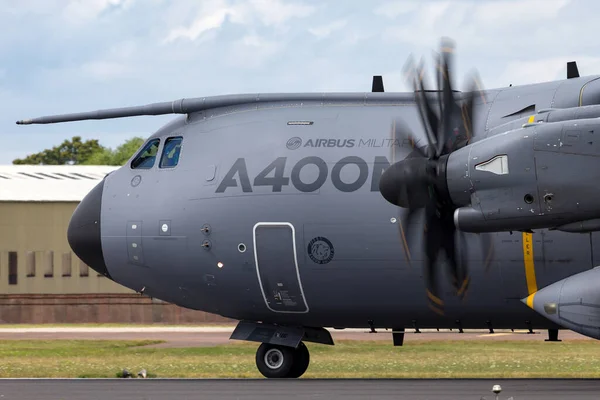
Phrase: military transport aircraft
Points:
(293, 213)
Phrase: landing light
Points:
(220, 264)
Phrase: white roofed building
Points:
(49, 183)
(36, 204)
(41, 279)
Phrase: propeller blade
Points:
(413, 183)
(398, 134)
(464, 278)
(428, 117)
(414, 76)
(487, 247)
(448, 235)
(404, 226)
(448, 102)
(433, 240)
(467, 110)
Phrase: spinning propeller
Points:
(418, 182)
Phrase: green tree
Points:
(90, 152)
(118, 156)
(126, 150)
(74, 151)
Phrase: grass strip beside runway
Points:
(347, 359)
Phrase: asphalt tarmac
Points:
(247, 389)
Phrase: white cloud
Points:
(32, 7)
(506, 12)
(277, 12)
(252, 51)
(325, 30)
(63, 55)
(213, 15)
(105, 70)
(393, 9)
(80, 11)
(206, 21)
(519, 72)
(473, 23)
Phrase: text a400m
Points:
(238, 180)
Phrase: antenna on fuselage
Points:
(572, 70)
(377, 85)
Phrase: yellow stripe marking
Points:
(531, 119)
(529, 267)
(529, 300)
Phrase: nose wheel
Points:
(275, 361)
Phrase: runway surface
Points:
(212, 336)
(115, 389)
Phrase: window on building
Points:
(84, 270)
(66, 264)
(49, 267)
(12, 267)
(30, 266)
(145, 158)
(170, 153)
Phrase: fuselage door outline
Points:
(260, 282)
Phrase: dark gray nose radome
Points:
(83, 233)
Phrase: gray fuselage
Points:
(273, 214)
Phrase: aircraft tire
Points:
(301, 361)
(275, 361)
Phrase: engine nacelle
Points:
(549, 115)
(573, 302)
(543, 175)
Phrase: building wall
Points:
(97, 308)
(42, 280)
(35, 256)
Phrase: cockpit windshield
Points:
(170, 153)
(145, 158)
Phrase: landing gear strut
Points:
(276, 361)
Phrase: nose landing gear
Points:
(276, 361)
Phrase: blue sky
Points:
(60, 56)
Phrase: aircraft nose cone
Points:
(83, 232)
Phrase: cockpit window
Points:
(145, 158)
(170, 153)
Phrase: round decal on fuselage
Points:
(320, 250)
(136, 180)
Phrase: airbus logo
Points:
(296, 142)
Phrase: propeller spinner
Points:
(418, 182)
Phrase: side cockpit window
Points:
(145, 158)
(170, 153)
